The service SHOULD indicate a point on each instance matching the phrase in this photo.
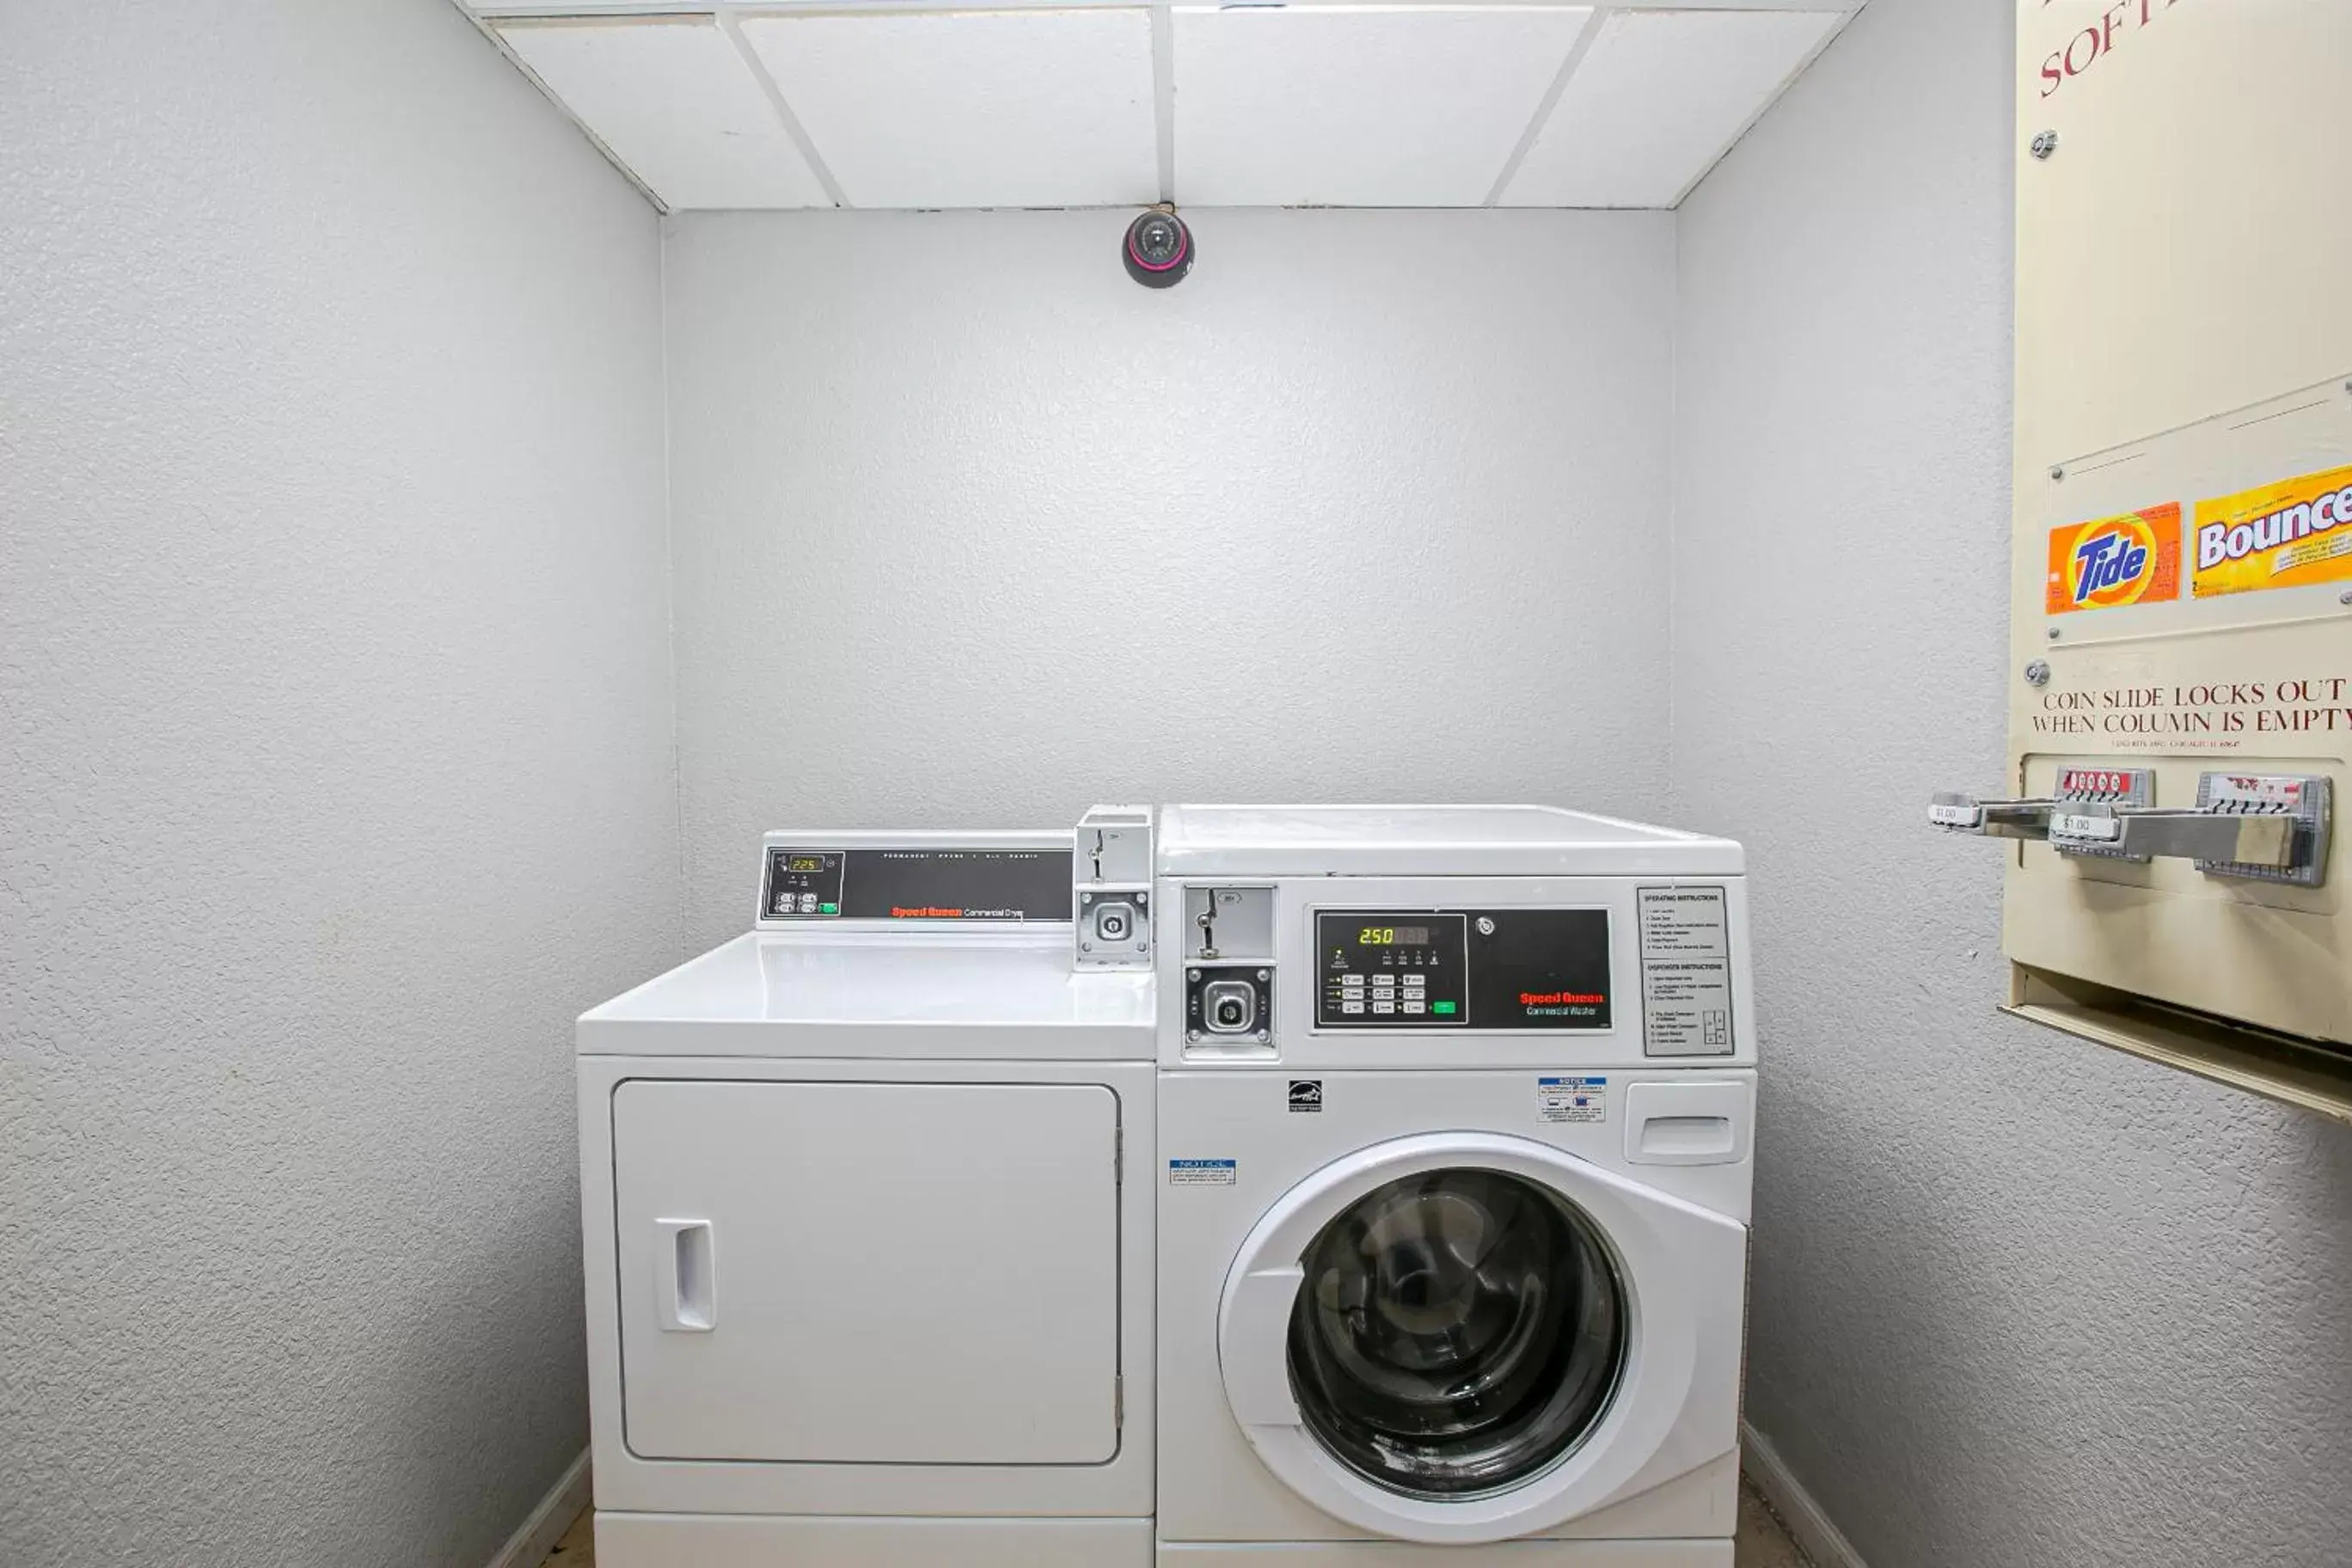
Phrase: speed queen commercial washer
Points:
(1454, 1118)
(867, 1216)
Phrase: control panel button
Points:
(1392, 969)
(803, 882)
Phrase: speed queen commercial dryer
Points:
(1454, 1114)
(868, 1216)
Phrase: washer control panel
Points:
(1479, 969)
(1390, 969)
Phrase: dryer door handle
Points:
(1256, 1345)
(685, 1281)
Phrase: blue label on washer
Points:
(1204, 1172)
(1573, 1100)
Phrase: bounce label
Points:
(2290, 534)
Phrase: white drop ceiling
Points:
(1019, 103)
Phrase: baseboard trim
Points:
(1820, 1540)
(534, 1538)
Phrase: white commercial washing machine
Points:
(1453, 1129)
(868, 1216)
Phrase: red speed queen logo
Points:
(1562, 998)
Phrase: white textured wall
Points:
(336, 775)
(2020, 1302)
(972, 529)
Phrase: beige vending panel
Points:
(2181, 611)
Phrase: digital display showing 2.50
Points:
(1511, 968)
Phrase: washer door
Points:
(1468, 1337)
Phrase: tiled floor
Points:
(578, 1547)
(1762, 1543)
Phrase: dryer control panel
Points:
(1006, 878)
(1514, 968)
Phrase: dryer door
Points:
(869, 1273)
(1469, 1337)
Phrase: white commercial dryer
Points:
(1454, 1118)
(868, 1216)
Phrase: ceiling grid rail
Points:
(1647, 97)
(731, 23)
(1542, 116)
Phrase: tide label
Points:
(2128, 559)
(2284, 535)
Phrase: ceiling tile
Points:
(1655, 101)
(973, 109)
(1334, 105)
(674, 100)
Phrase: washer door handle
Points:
(685, 1283)
(1255, 1352)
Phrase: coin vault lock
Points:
(1110, 872)
(1228, 1004)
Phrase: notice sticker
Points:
(1573, 1100)
(1204, 1172)
(1686, 972)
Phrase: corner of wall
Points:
(665, 228)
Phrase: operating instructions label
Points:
(1686, 972)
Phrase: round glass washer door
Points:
(1457, 1333)
(1643, 1332)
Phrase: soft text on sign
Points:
(2097, 42)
